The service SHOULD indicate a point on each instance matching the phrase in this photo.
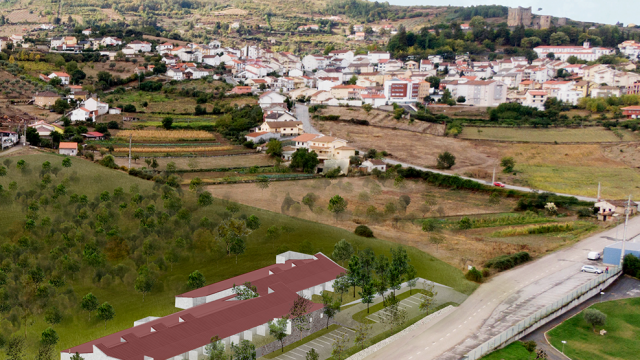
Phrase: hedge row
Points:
(505, 262)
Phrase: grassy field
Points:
(617, 183)
(128, 304)
(620, 342)
(211, 162)
(547, 135)
(513, 351)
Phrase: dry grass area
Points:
(160, 135)
(231, 11)
(123, 69)
(111, 14)
(384, 119)
(571, 169)
(560, 135)
(415, 148)
(461, 248)
(26, 15)
(164, 40)
(209, 162)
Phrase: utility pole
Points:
(598, 198)
(624, 233)
(130, 137)
(493, 179)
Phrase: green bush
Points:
(585, 212)
(486, 272)
(363, 230)
(505, 262)
(474, 275)
(465, 223)
(631, 265)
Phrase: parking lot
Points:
(323, 345)
(410, 305)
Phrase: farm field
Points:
(620, 342)
(91, 179)
(460, 248)
(206, 162)
(559, 135)
(383, 118)
(573, 169)
(162, 135)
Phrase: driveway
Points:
(502, 302)
(302, 114)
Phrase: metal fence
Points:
(510, 334)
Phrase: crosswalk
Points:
(410, 303)
(322, 344)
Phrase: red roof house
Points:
(209, 311)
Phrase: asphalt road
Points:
(502, 302)
(302, 114)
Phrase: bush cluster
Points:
(505, 262)
(364, 231)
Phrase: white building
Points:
(479, 92)
(314, 62)
(93, 104)
(82, 114)
(68, 148)
(584, 52)
(375, 56)
(401, 91)
(630, 49)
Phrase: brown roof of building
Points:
(283, 124)
(68, 145)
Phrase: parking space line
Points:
(324, 342)
(290, 357)
(312, 342)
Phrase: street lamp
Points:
(563, 342)
(601, 293)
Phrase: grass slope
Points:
(620, 342)
(76, 329)
(513, 351)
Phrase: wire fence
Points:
(513, 332)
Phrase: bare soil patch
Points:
(383, 119)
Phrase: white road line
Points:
(372, 320)
(324, 342)
(312, 342)
(414, 303)
(347, 329)
(290, 357)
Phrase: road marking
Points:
(324, 342)
(419, 352)
(448, 334)
(312, 342)
(344, 328)
(285, 355)
(372, 320)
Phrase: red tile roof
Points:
(190, 329)
(68, 145)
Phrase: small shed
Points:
(611, 254)
(93, 135)
(68, 148)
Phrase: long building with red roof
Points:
(213, 311)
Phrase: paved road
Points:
(302, 114)
(502, 302)
(623, 288)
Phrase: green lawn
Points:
(620, 342)
(513, 351)
(581, 180)
(93, 179)
(591, 134)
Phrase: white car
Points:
(591, 269)
(593, 255)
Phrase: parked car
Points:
(591, 269)
(593, 255)
(498, 184)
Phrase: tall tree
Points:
(342, 251)
(145, 281)
(278, 329)
(298, 314)
(215, 349)
(353, 273)
(196, 280)
(330, 307)
(106, 313)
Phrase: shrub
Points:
(505, 262)
(631, 265)
(465, 223)
(364, 231)
(585, 212)
(474, 275)
(595, 318)
(108, 161)
(446, 160)
(486, 272)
